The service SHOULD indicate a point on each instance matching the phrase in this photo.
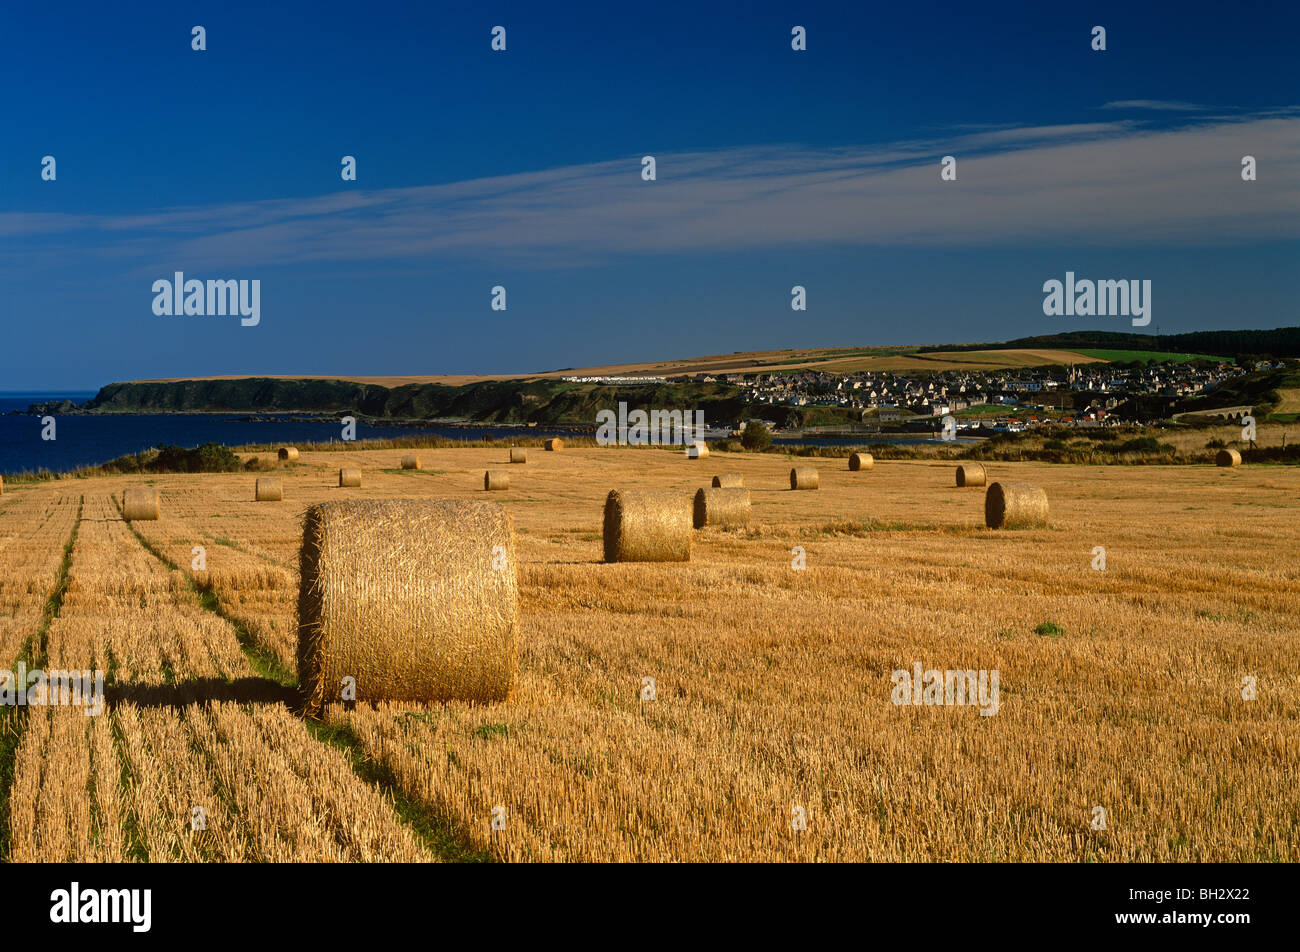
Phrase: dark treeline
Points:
(1280, 342)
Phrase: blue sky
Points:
(522, 169)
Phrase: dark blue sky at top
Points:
(139, 123)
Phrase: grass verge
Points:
(437, 834)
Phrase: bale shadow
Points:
(203, 691)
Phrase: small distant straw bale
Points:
(728, 481)
(518, 454)
(554, 445)
(861, 461)
(269, 489)
(1015, 505)
(350, 476)
(697, 450)
(496, 479)
(411, 461)
(644, 526)
(804, 477)
(288, 453)
(971, 474)
(721, 507)
(141, 504)
(1227, 457)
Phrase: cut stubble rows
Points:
(773, 683)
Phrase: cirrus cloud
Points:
(1110, 183)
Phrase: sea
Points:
(91, 439)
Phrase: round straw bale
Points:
(518, 454)
(269, 489)
(2, 485)
(141, 503)
(697, 450)
(804, 477)
(414, 598)
(645, 526)
(289, 453)
(721, 507)
(411, 461)
(554, 445)
(495, 479)
(971, 474)
(350, 476)
(728, 481)
(861, 461)
(1227, 458)
(1014, 505)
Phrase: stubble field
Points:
(772, 683)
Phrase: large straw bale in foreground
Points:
(554, 445)
(971, 474)
(647, 526)
(728, 481)
(518, 454)
(414, 598)
(141, 504)
(804, 477)
(496, 479)
(721, 507)
(269, 489)
(411, 461)
(861, 461)
(1015, 505)
(350, 476)
(288, 453)
(1227, 458)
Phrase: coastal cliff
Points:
(493, 401)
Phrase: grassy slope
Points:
(1145, 356)
(1072, 345)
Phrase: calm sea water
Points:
(87, 440)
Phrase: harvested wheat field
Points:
(772, 653)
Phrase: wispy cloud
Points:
(1109, 183)
(1155, 105)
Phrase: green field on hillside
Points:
(1145, 356)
